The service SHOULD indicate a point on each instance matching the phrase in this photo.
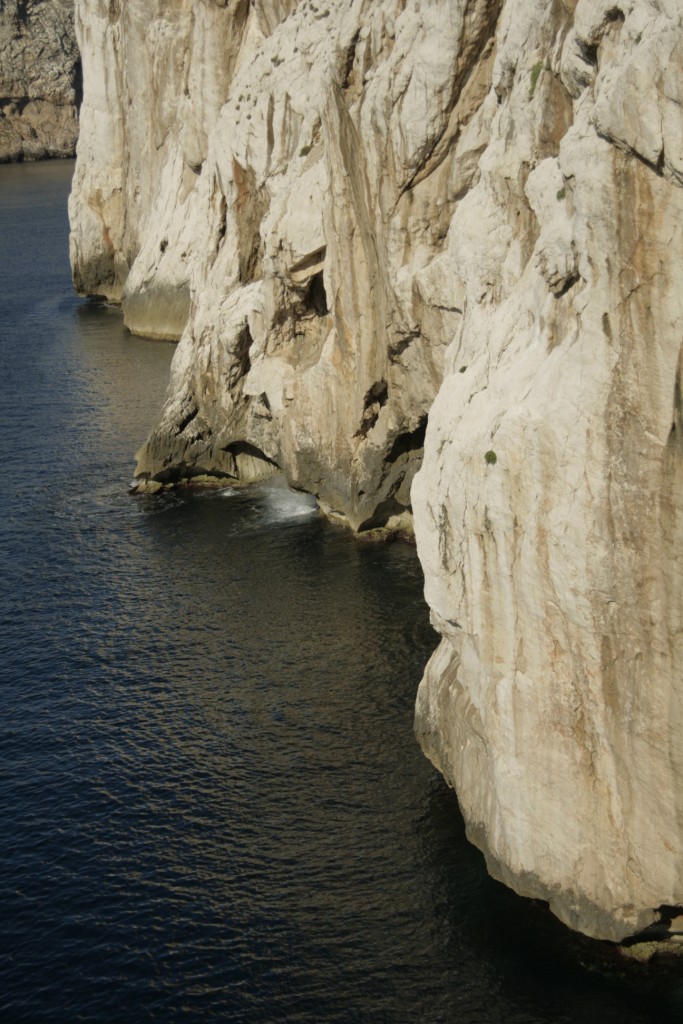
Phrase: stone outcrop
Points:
(281, 198)
(40, 79)
(359, 216)
(549, 508)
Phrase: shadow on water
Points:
(212, 806)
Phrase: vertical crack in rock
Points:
(250, 206)
(374, 400)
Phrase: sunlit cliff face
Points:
(393, 235)
(290, 222)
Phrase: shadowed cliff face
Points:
(359, 216)
(40, 79)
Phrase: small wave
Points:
(282, 503)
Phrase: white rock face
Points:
(554, 573)
(356, 214)
(274, 181)
(39, 79)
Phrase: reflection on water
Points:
(211, 803)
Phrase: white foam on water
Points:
(284, 504)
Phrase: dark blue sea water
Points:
(212, 807)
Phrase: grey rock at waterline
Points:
(39, 79)
(357, 214)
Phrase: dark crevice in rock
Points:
(251, 204)
(183, 474)
(411, 441)
(567, 286)
(398, 347)
(78, 83)
(270, 135)
(606, 326)
(222, 222)
(588, 52)
(349, 58)
(186, 420)
(244, 343)
(237, 448)
(447, 309)
(377, 393)
(315, 297)
(384, 511)
(375, 399)
(675, 440)
(657, 167)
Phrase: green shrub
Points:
(535, 72)
(491, 458)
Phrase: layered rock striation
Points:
(367, 220)
(40, 79)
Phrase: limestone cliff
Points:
(275, 182)
(549, 507)
(357, 215)
(39, 79)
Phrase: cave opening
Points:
(315, 297)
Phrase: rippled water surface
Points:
(211, 804)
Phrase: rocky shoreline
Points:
(423, 259)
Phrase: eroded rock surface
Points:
(275, 182)
(40, 79)
(358, 215)
(554, 574)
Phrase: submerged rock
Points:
(358, 214)
(40, 79)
